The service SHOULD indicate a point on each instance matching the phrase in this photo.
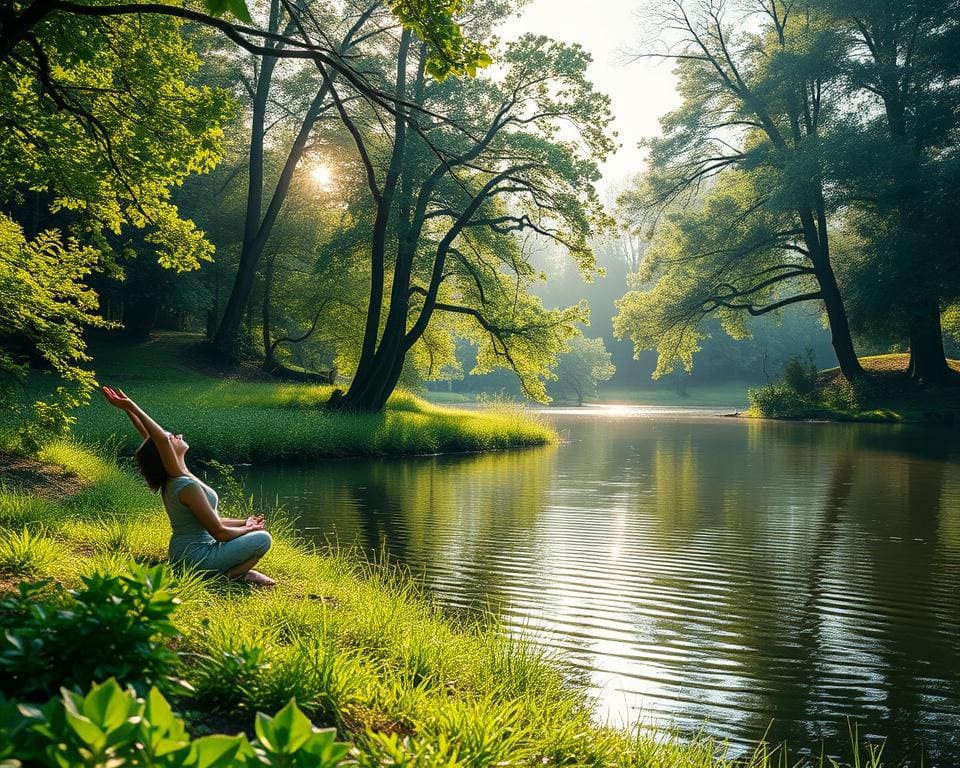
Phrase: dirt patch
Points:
(45, 480)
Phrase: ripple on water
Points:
(699, 572)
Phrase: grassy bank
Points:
(884, 395)
(357, 645)
(236, 420)
(727, 395)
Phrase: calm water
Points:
(696, 570)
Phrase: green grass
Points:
(234, 420)
(357, 644)
(719, 395)
(884, 395)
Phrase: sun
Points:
(322, 176)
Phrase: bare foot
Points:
(255, 577)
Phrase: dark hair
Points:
(151, 465)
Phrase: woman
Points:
(201, 537)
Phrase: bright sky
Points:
(640, 91)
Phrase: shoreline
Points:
(398, 665)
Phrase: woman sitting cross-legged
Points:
(201, 537)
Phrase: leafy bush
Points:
(228, 680)
(777, 399)
(794, 394)
(800, 374)
(113, 627)
(113, 727)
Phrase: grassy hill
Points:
(885, 394)
(242, 415)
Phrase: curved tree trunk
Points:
(840, 336)
(815, 233)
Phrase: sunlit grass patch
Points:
(256, 421)
(884, 394)
(27, 552)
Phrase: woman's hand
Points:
(118, 399)
(255, 523)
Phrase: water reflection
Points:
(695, 569)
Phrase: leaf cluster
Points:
(110, 726)
(45, 302)
(114, 626)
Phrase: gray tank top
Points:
(182, 520)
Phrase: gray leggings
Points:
(221, 556)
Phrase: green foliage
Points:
(115, 625)
(44, 301)
(584, 364)
(290, 739)
(106, 123)
(228, 679)
(112, 727)
(455, 260)
(734, 198)
(777, 400)
(793, 395)
(135, 127)
(800, 374)
(450, 52)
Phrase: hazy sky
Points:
(640, 91)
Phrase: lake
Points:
(697, 572)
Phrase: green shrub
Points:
(778, 400)
(115, 626)
(229, 680)
(857, 395)
(800, 374)
(113, 727)
(793, 395)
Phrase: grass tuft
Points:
(27, 554)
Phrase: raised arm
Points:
(194, 497)
(146, 426)
(137, 424)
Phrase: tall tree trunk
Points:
(267, 340)
(371, 391)
(371, 331)
(257, 230)
(374, 380)
(227, 335)
(816, 239)
(928, 361)
(840, 336)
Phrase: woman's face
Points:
(177, 442)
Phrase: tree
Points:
(735, 193)
(583, 364)
(452, 195)
(99, 122)
(44, 302)
(896, 165)
(436, 21)
(300, 112)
